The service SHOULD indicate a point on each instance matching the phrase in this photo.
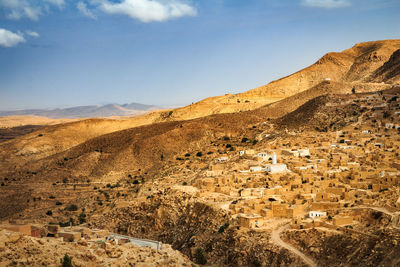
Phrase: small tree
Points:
(199, 256)
(66, 261)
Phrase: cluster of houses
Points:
(76, 234)
(311, 178)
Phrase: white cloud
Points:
(32, 33)
(147, 10)
(9, 39)
(82, 7)
(31, 9)
(59, 3)
(326, 3)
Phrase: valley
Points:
(303, 171)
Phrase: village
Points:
(315, 179)
(343, 180)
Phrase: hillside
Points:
(185, 183)
(161, 173)
(374, 60)
(360, 65)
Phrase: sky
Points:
(62, 53)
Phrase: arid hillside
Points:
(366, 67)
(362, 64)
(156, 174)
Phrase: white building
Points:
(262, 155)
(221, 159)
(256, 169)
(316, 214)
(276, 168)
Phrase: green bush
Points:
(66, 261)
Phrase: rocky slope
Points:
(19, 250)
(356, 249)
(180, 220)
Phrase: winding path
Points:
(276, 239)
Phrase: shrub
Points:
(199, 154)
(63, 224)
(82, 218)
(199, 257)
(135, 182)
(58, 203)
(72, 207)
(386, 114)
(66, 261)
(52, 197)
(223, 227)
(49, 212)
(187, 155)
(184, 183)
(244, 140)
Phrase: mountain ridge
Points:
(107, 110)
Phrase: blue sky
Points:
(58, 53)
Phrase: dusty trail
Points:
(276, 239)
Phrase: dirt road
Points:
(276, 239)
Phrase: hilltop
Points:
(365, 64)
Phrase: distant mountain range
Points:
(108, 110)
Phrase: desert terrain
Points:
(303, 171)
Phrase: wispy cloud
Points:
(147, 10)
(326, 3)
(10, 39)
(18, 9)
(32, 34)
(59, 3)
(82, 7)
